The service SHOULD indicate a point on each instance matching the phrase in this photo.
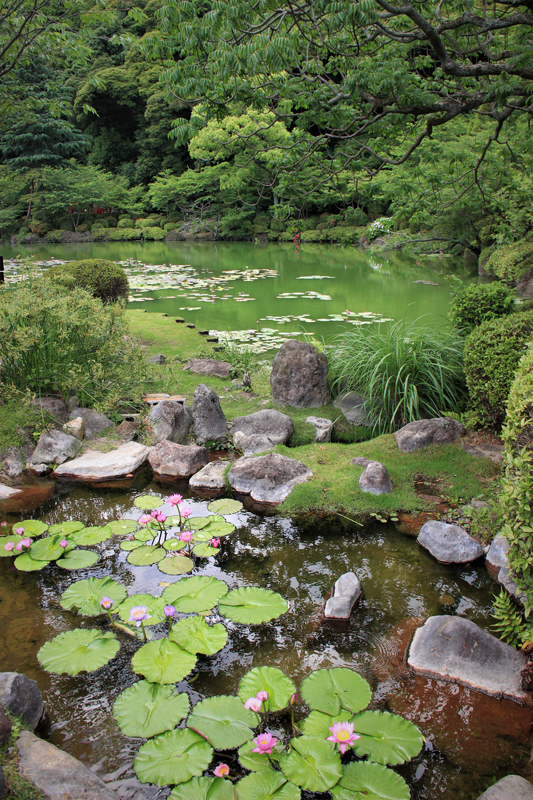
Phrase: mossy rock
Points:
(511, 263)
(104, 279)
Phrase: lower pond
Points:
(470, 738)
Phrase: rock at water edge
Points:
(267, 479)
(94, 466)
(55, 447)
(345, 595)
(425, 432)
(512, 787)
(210, 476)
(171, 460)
(7, 491)
(170, 421)
(209, 421)
(449, 544)
(299, 376)
(22, 697)
(508, 581)
(497, 555)
(93, 422)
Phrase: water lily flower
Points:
(154, 513)
(253, 704)
(9, 546)
(186, 512)
(19, 531)
(175, 499)
(25, 542)
(3, 524)
(186, 536)
(63, 542)
(214, 542)
(138, 614)
(221, 771)
(294, 699)
(264, 743)
(169, 611)
(263, 696)
(343, 735)
(161, 517)
(145, 519)
(106, 603)
(18, 545)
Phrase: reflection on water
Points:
(470, 738)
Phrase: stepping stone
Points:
(170, 460)
(456, 649)
(252, 445)
(210, 476)
(267, 479)
(449, 544)
(492, 451)
(352, 406)
(512, 787)
(345, 595)
(261, 431)
(425, 432)
(209, 366)
(94, 466)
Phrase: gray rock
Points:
(157, 359)
(93, 422)
(22, 697)
(449, 544)
(58, 775)
(497, 555)
(209, 366)
(210, 476)
(5, 726)
(254, 444)
(171, 421)
(375, 479)
(299, 376)
(55, 447)
(170, 460)
(512, 787)
(492, 451)
(345, 595)
(53, 405)
(425, 432)
(127, 431)
(209, 421)
(73, 402)
(322, 427)
(268, 479)
(7, 491)
(75, 427)
(456, 649)
(275, 426)
(353, 409)
(40, 469)
(94, 466)
(508, 581)
(12, 466)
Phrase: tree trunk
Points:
(32, 186)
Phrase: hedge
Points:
(511, 262)
(104, 279)
(479, 303)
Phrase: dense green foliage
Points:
(406, 371)
(479, 303)
(492, 354)
(512, 262)
(103, 279)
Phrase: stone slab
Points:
(7, 491)
(209, 366)
(449, 544)
(492, 451)
(425, 432)
(267, 479)
(210, 477)
(512, 787)
(93, 466)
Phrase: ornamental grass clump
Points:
(406, 372)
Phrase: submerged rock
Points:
(22, 697)
(346, 593)
(55, 448)
(94, 466)
(456, 649)
(209, 366)
(267, 479)
(170, 460)
(93, 422)
(425, 432)
(449, 544)
(299, 376)
(170, 421)
(512, 787)
(209, 420)
(210, 477)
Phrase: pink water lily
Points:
(262, 696)
(264, 743)
(106, 602)
(138, 614)
(253, 704)
(186, 512)
(221, 771)
(175, 499)
(186, 536)
(169, 611)
(25, 542)
(19, 531)
(154, 513)
(161, 517)
(3, 524)
(63, 542)
(343, 735)
(9, 546)
(214, 542)
(145, 519)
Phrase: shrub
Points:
(125, 222)
(38, 227)
(479, 303)
(101, 222)
(125, 216)
(278, 225)
(104, 279)
(492, 353)
(344, 235)
(153, 233)
(99, 234)
(54, 237)
(263, 220)
(511, 262)
(313, 236)
(171, 226)
(142, 222)
(406, 371)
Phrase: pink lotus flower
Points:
(145, 519)
(63, 542)
(343, 735)
(9, 546)
(154, 513)
(106, 603)
(214, 542)
(138, 614)
(263, 696)
(221, 771)
(186, 536)
(18, 545)
(253, 704)
(19, 531)
(161, 517)
(175, 499)
(186, 512)
(264, 743)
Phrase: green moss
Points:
(511, 262)
(104, 279)
(17, 786)
(20, 422)
(153, 233)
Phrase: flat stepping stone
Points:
(346, 593)
(209, 366)
(449, 544)
(512, 787)
(210, 476)
(170, 460)
(425, 432)
(456, 649)
(267, 479)
(94, 466)
(492, 451)
(352, 406)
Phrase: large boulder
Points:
(93, 422)
(209, 366)
(254, 444)
(22, 697)
(170, 421)
(210, 477)
(512, 787)
(456, 649)
(55, 447)
(449, 544)
(56, 774)
(93, 466)
(425, 432)
(53, 405)
(209, 421)
(374, 479)
(299, 376)
(267, 479)
(267, 422)
(170, 460)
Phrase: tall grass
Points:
(407, 371)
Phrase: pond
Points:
(470, 738)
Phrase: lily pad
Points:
(121, 527)
(47, 549)
(146, 555)
(32, 527)
(196, 636)
(224, 506)
(153, 604)
(148, 502)
(172, 757)
(78, 559)
(129, 545)
(9, 540)
(312, 764)
(214, 529)
(330, 690)
(196, 594)
(176, 565)
(144, 535)
(195, 523)
(257, 762)
(146, 709)
(267, 679)
(363, 780)
(204, 550)
(65, 528)
(91, 536)
(266, 786)
(85, 595)
(25, 563)
(172, 545)
(319, 724)
(80, 650)
(386, 738)
(162, 661)
(223, 721)
(203, 789)
(252, 605)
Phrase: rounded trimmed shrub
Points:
(492, 354)
(157, 234)
(125, 222)
(479, 303)
(104, 279)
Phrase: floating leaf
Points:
(176, 565)
(266, 786)
(172, 545)
(85, 595)
(196, 594)
(148, 502)
(194, 523)
(224, 506)
(144, 535)
(257, 762)
(214, 529)
(153, 604)
(25, 563)
(386, 738)
(80, 650)
(319, 724)
(146, 709)
(196, 636)
(330, 690)
(223, 721)
(32, 527)
(363, 780)
(172, 757)
(204, 550)
(146, 555)
(267, 679)
(65, 528)
(78, 559)
(252, 605)
(9, 540)
(121, 527)
(163, 662)
(91, 536)
(312, 764)
(130, 545)
(203, 789)
(47, 549)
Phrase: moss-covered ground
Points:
(17, 786)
